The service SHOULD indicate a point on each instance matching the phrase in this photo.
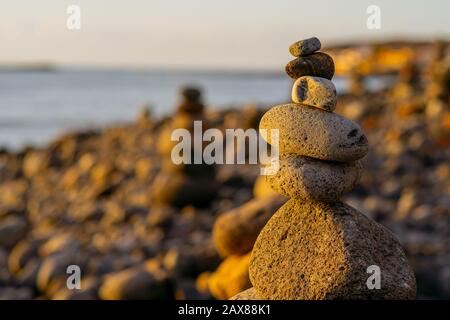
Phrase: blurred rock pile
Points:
(89, 199)
(406, 182)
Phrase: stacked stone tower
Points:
(186, 183)
(315, 246)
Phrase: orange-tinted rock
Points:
(314, 250)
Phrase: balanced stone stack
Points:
(315, 246)
(187, 183)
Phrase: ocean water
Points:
(37, 106)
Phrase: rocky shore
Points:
(105, 200)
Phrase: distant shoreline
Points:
(234, 71)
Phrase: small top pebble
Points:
(305, 47)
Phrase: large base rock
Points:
(312, 250)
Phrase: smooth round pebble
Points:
(305, 47)
(315, 92)
(318, 64)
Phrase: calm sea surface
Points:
(37, 106)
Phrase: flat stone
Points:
(307, 178)
(315, 92)
(305, 47)
(312, 132)
(318, 64)
(249, 294)
(317, 250)
(235, 232)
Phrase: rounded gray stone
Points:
(315, 92)
(305, 47)
(315, 133)
(318, 64)
(307, 178)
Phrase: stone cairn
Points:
(315, 246)
(184, 184)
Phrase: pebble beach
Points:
(110, 200)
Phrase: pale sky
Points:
(205, 34)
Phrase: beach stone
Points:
(230, 278)
(181, 190)
(307, 178)
(191, 107)
(311, 132)
(305, 47)
(249, 294)
(234, 232)
(161, 217)
(35, 162)
(135, 284)
(21, 254)
(201, 283)
(318, 64)
(3, 259)
(54, 268)
(315, 92)
(186, 121)
(191, 101)
(63, 242)
(186, 290)
(191, 93)
(27, 276)
(180, 262)
(12, 229)
(144, 118)
(317, 250)
(89, 287)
